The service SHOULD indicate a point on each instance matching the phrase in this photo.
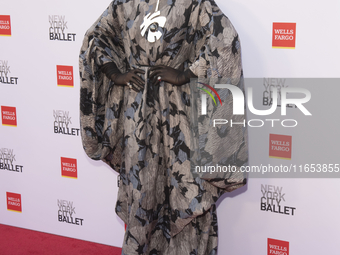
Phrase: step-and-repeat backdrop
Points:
(290, 57)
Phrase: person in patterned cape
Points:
(136, 62)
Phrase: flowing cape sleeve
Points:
(216, 57)
(218, 61)
(101, 103)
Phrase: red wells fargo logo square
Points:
(277, 247)
(5, 25)
(65, 76)
(13, 202)
(284, 35)
(9, 116)
(69, 167)
(280, 146)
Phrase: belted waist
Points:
(141, 66)
(145, 68)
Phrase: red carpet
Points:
(19, 241)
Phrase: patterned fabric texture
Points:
(145, 136)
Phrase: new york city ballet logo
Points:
(277, 247)
(65, 76)
(284, 35)
(5, 25)
(69, 167)
(268, 94)
(7, 161)
(58, 29)
(13, 202)
(5, 77)
(239, 102)
(273, 200)
(62, 121)
(9, 116)
(66, 213)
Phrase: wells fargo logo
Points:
(5, 25)
(69, 167)
(13, 202)
(280, 146)
(65, 76)
(9, 116)
(284, 35)
(277, 247)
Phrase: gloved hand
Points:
(171, 75)
(131, 78)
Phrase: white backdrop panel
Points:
(243, 227)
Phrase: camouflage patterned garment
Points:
(145, 136)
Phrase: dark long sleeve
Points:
(109, 69)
